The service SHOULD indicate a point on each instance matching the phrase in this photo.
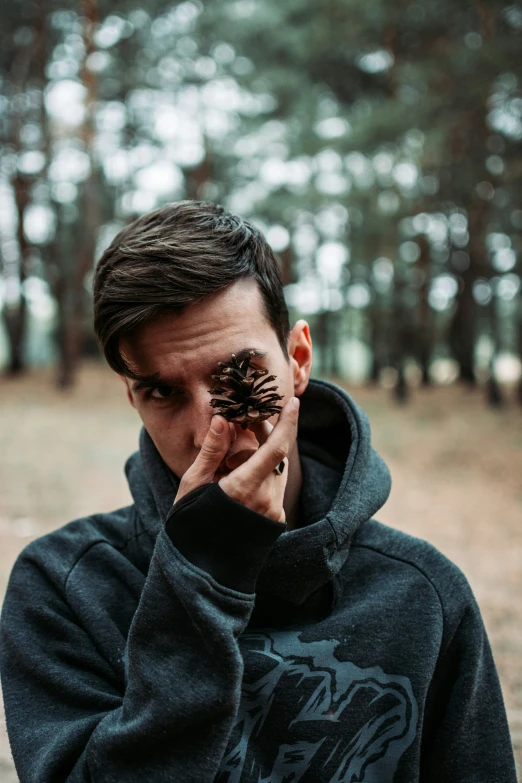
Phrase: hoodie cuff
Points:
(222, 537)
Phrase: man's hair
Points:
(173, 257)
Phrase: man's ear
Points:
(127, 389)
(300, 353)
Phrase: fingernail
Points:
(217, 425)
(295, 403)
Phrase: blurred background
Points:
(379, 147)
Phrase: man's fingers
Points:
(213, 449)
(255, 483)
(262, 431)
(277, 446)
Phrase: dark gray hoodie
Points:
(204, 642)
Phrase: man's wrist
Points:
(224, 538)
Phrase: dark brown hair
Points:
(173, 257)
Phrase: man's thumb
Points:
(213, 449)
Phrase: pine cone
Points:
(245, 401)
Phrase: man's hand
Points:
(254, 483)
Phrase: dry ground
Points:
(456, 467)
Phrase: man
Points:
(243, 620)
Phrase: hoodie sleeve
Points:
(69, 718)
(467, 738)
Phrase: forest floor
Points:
(456, 468)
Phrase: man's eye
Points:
(163, 392)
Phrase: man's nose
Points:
(201, 413)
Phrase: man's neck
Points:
(293, 489)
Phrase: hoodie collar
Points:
(346, 489)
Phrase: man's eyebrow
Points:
(243, 353)
(148, 381)
(156, 379)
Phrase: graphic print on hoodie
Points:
(340, 722)
(205, 642)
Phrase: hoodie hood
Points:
(334, 432)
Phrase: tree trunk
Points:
(16, 312)
(519, 387)
(322, 335)
(424, 337)
(401, 390)
(72, 295)
(197, 178)
(462, 331)
(377, 340)
(15, 324)
(400, 335)
(493, 392)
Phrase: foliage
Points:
(378, 144)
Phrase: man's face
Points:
(182, 351)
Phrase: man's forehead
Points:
(193, 341)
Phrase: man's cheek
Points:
(175, 457)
